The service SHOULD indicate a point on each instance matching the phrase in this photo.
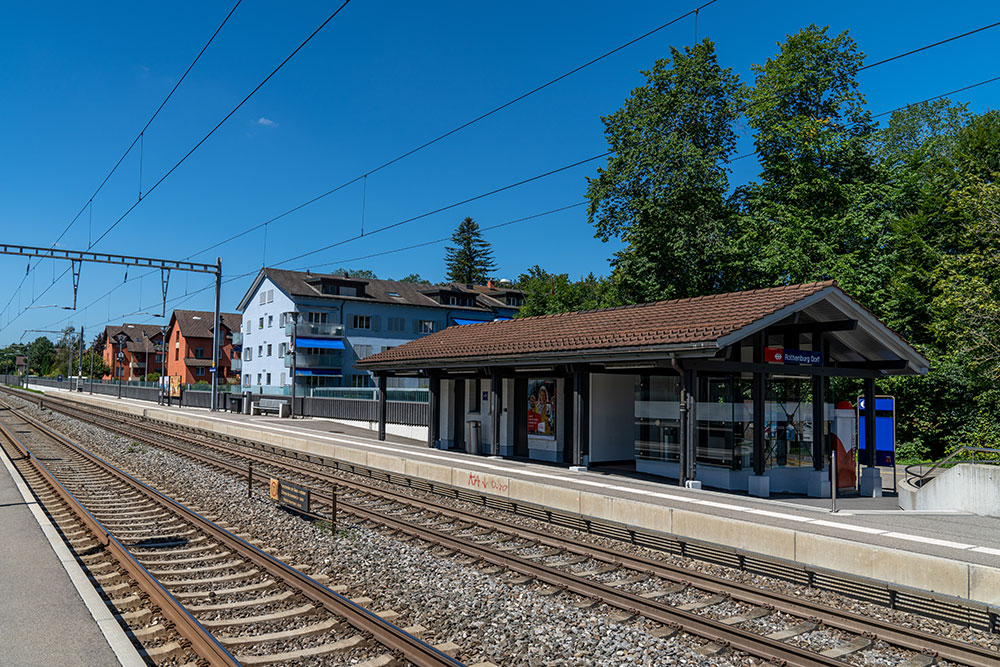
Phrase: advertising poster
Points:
(542, 408)
(175, 386)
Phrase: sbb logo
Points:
(774, 355)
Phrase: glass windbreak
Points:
(724, 416)
(788, 425)
(657, 417)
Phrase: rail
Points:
(918, 479)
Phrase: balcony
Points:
(237, 339)
(323, 360)
(312, 330)
(236, 365)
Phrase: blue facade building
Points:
(336, 320)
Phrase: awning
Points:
(460, 321)
(318, 371)
(323, 343)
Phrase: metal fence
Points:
(405, 412)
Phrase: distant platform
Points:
(949, 553)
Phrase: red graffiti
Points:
(487, 483)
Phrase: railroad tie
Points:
(701, 604)
(417, 631)
(755, 613)
(794, 631)
(329, 625)
(265, 618)
(568, 561)
(853, 646)
(710, 649)
(384, 660)
(342, 646)
(919, 660)
(449, 648)
(663, 592)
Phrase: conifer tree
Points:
(470, 260)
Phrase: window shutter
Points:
(376, 322)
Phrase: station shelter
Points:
(732, 391)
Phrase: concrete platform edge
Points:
(935, 574)
(119, 642)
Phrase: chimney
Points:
(489, 284)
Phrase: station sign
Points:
(787, 355)
(290, 495)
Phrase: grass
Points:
(324, 525)
(136, 448)
(34, 391)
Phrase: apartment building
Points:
(190, 334)
(341, 320)
(129, 348)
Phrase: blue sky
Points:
(79, 81)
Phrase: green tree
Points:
(414, 278)
(355, 273)
(549, 293)
(664, 190)
(821, 208)
(40, 351)
(470, 260)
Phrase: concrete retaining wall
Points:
(964, 488)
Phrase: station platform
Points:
(950, 553)
(50, 613)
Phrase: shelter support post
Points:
(871, 478)
(496, 412)
(580, 418)
(458, 425)
(434, 411)
(688, 424)
(382, 404)
(819, 480)
(758, 484)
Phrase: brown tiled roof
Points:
(192, 361)
(198, 323)
(676, 322)
(132, 331)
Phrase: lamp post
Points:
(292, 347)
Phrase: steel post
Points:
(382, 405)
(79, 373)
(217, 336)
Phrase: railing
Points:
(237, 338)
(236, 365)
(304, 360)
(314, 329)
(979, 455)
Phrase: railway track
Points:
(678, 598)
(227, 601)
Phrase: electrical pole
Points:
(79, 373)
(217, 334)
(69, 366)
(295, 332)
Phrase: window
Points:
(282, 383)
(270, 295)
(360, 380)
(177, 353)
(316, 318)
(362, 322)
(269, 350)
(158, 359)
(246, 328)
(260, 324)
(396, 324)
(199, 353)
(362, 351)
(425, 326)
(270, 321)
(246, 380)
(258, 378)
(269, 379)
(263, 297)
(260, 350)
(200, 371)
(248, 354)
(452, 300)
(281, 353)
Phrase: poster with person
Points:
(542, 408)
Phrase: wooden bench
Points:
(275, 405)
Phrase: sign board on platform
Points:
(885, 429)
(787, 355)
(175, 386)
(291, 495)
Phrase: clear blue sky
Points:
(79, 81)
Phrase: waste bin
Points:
(246, 402)
(473, 436)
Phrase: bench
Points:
(277, 406)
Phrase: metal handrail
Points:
(921, 478)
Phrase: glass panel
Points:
(657, 417)
(724, 413)
(788, 430)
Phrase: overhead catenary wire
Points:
(203, 139)
(893, 58)
(89, 205)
